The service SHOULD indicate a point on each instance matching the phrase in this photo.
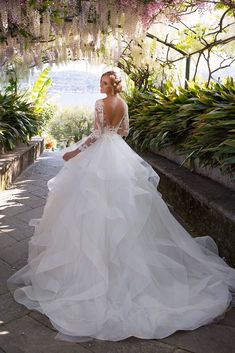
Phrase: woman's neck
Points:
(110, 95)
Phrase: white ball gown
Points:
(108, 260)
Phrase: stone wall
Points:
(228, 180)
(204, 206)
(14, 162)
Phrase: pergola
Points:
(35, 31)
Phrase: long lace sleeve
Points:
(97, 127)
(123, 129)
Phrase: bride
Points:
(107, 259)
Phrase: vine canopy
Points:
(37, 31)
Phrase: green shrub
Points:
(69, 125)
(18, 121)
(23, 115)
(198, 121)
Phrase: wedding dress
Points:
(108, 260)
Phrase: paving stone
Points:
(40, 193)
(5, 240)
(207, 339)
(20, 263)
(43, 319)
(5, 272)
(229, 319)
(42, 172)
(10, 309)
(33, 213)
(32, 201)
(14, 208)
(21, 233)
(39, 182)
(31, 184)
(30, 173)
(15, 228)
(15, 253)
(130, 345)
(10, 203)
(26, 335)
(25, 186)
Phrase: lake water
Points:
(73, 86)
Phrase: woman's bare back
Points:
(114, 110)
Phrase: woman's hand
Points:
(68, 155)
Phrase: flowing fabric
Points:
(108, 260)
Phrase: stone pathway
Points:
(24, 331)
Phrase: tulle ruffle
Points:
(109, 261)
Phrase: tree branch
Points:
(196, 67)
(171, 45)
(222, 66)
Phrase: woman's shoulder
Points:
(123, 102)
(99, 104)
(99, 101)
(116, 101)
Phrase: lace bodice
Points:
(101, 125)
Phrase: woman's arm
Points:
(123, 129)
(94, 135)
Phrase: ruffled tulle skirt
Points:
(108, 260)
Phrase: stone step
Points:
(205, 206)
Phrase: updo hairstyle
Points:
(115, 81)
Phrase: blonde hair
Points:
(115, 81)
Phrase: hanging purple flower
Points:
(150, 12)
(127, 4)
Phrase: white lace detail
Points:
(101, 126)
(123, 128)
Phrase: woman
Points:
(108, 260)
